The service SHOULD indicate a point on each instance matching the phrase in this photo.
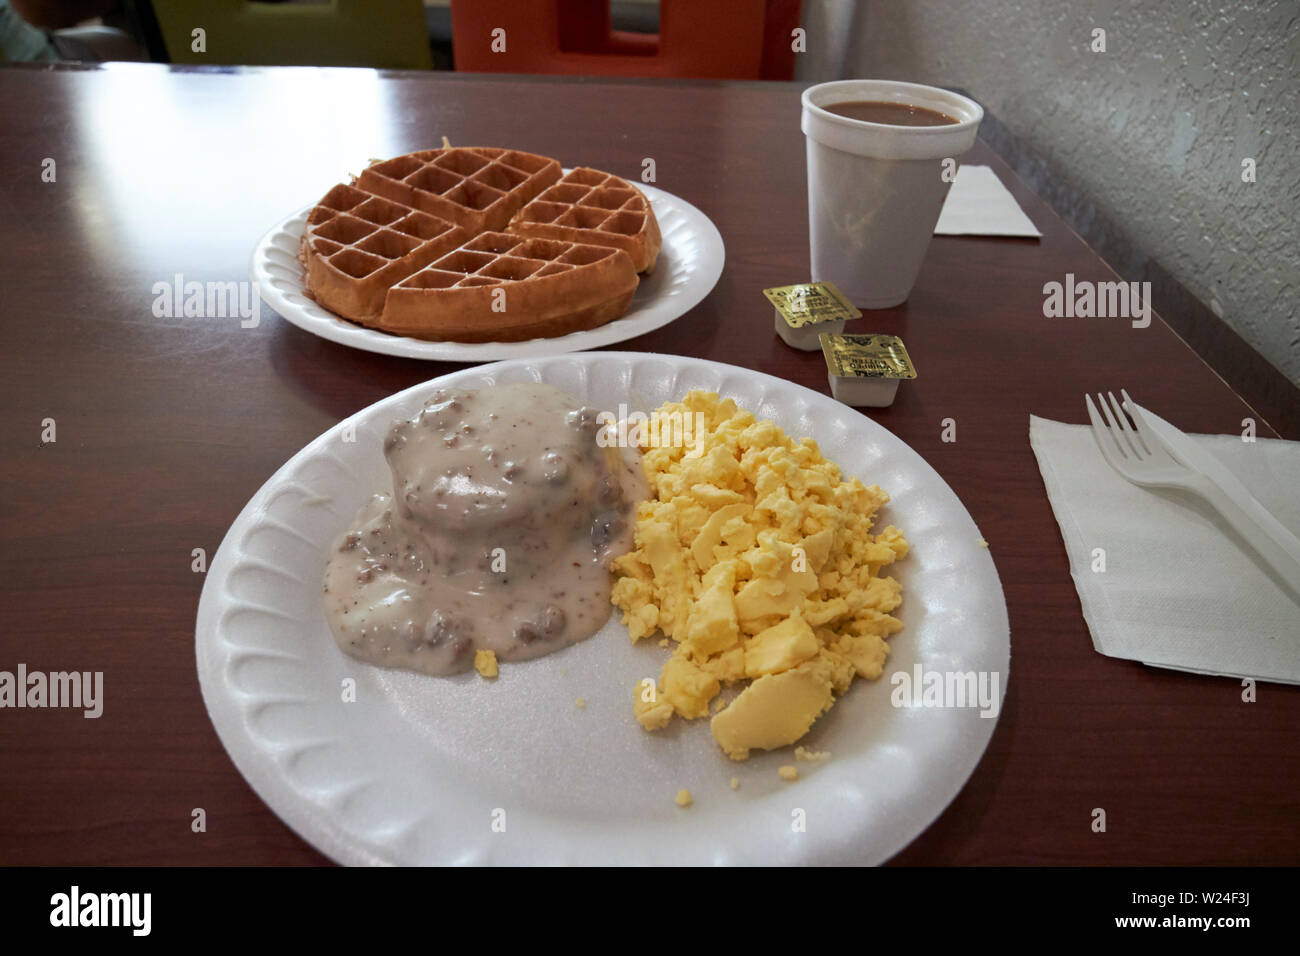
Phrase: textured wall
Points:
(1153, 130)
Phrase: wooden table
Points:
(166, 427)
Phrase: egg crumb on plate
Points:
(755, 557)
(812, 756)
(788, 773)
(485, 662)
(683, 798)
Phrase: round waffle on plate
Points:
(477, 244)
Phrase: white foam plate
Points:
(689, 264)
(423, 770)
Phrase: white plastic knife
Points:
(1276, 544)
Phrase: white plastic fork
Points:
(1140, 456)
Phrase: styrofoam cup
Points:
(875, 190)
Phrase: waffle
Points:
(479, 189)
(357, 245)
(504, 287)
(451, 244)
(596, 208)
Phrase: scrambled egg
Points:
(485, 662)
(757, 559)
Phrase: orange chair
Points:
(715, 39)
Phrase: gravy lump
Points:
(498, 534)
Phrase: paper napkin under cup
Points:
(979, 205)
(1178, 590)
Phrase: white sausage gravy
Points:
(498, 533)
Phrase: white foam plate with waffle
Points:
(435, 770)
(689, 265)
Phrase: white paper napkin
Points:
(1177, 591)
(979, 205)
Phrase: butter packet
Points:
(806, 310)
(866, 369)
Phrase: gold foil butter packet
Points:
(811, 303)
(867, 356)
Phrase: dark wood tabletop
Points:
(167, 426)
